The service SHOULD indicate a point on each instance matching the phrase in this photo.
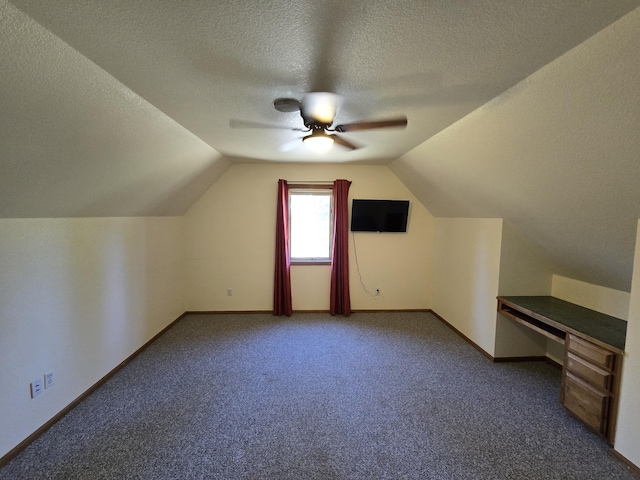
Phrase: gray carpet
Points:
(374, 396)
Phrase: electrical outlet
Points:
(229, 292)
(48, 379)
(36, 388)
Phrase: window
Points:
(310, 224)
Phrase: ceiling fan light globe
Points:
(318, 143)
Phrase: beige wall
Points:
(467, 267)
(524, 270)
(601, 299)
(231, 237)
(78, 296)
(628, 433)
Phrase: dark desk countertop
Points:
(607, 329)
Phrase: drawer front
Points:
(594, 353)
(586, 403)
(596, 376)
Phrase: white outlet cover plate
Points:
(36, 388)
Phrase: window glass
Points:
(310, 224)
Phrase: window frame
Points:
(312, 189)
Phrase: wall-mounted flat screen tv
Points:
(379, 215)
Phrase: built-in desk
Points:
(594, 346)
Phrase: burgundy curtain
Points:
(340, 300)
(282, 277)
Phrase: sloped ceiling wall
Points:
(75, 142)
(557, 156)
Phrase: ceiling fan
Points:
(318, 110)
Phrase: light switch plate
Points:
(48, 379)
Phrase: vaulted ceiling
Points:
(522, 110)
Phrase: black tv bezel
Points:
(383, 207)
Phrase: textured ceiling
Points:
(206, 62)
(122, 108)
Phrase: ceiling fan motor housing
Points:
(319, 108)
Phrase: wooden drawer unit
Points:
(587, 403)
(590, 384)
(594, 375)
(595, 354)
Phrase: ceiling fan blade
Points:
(354, 127)
(250, 124)
(345, 143)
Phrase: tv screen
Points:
(379, 215)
